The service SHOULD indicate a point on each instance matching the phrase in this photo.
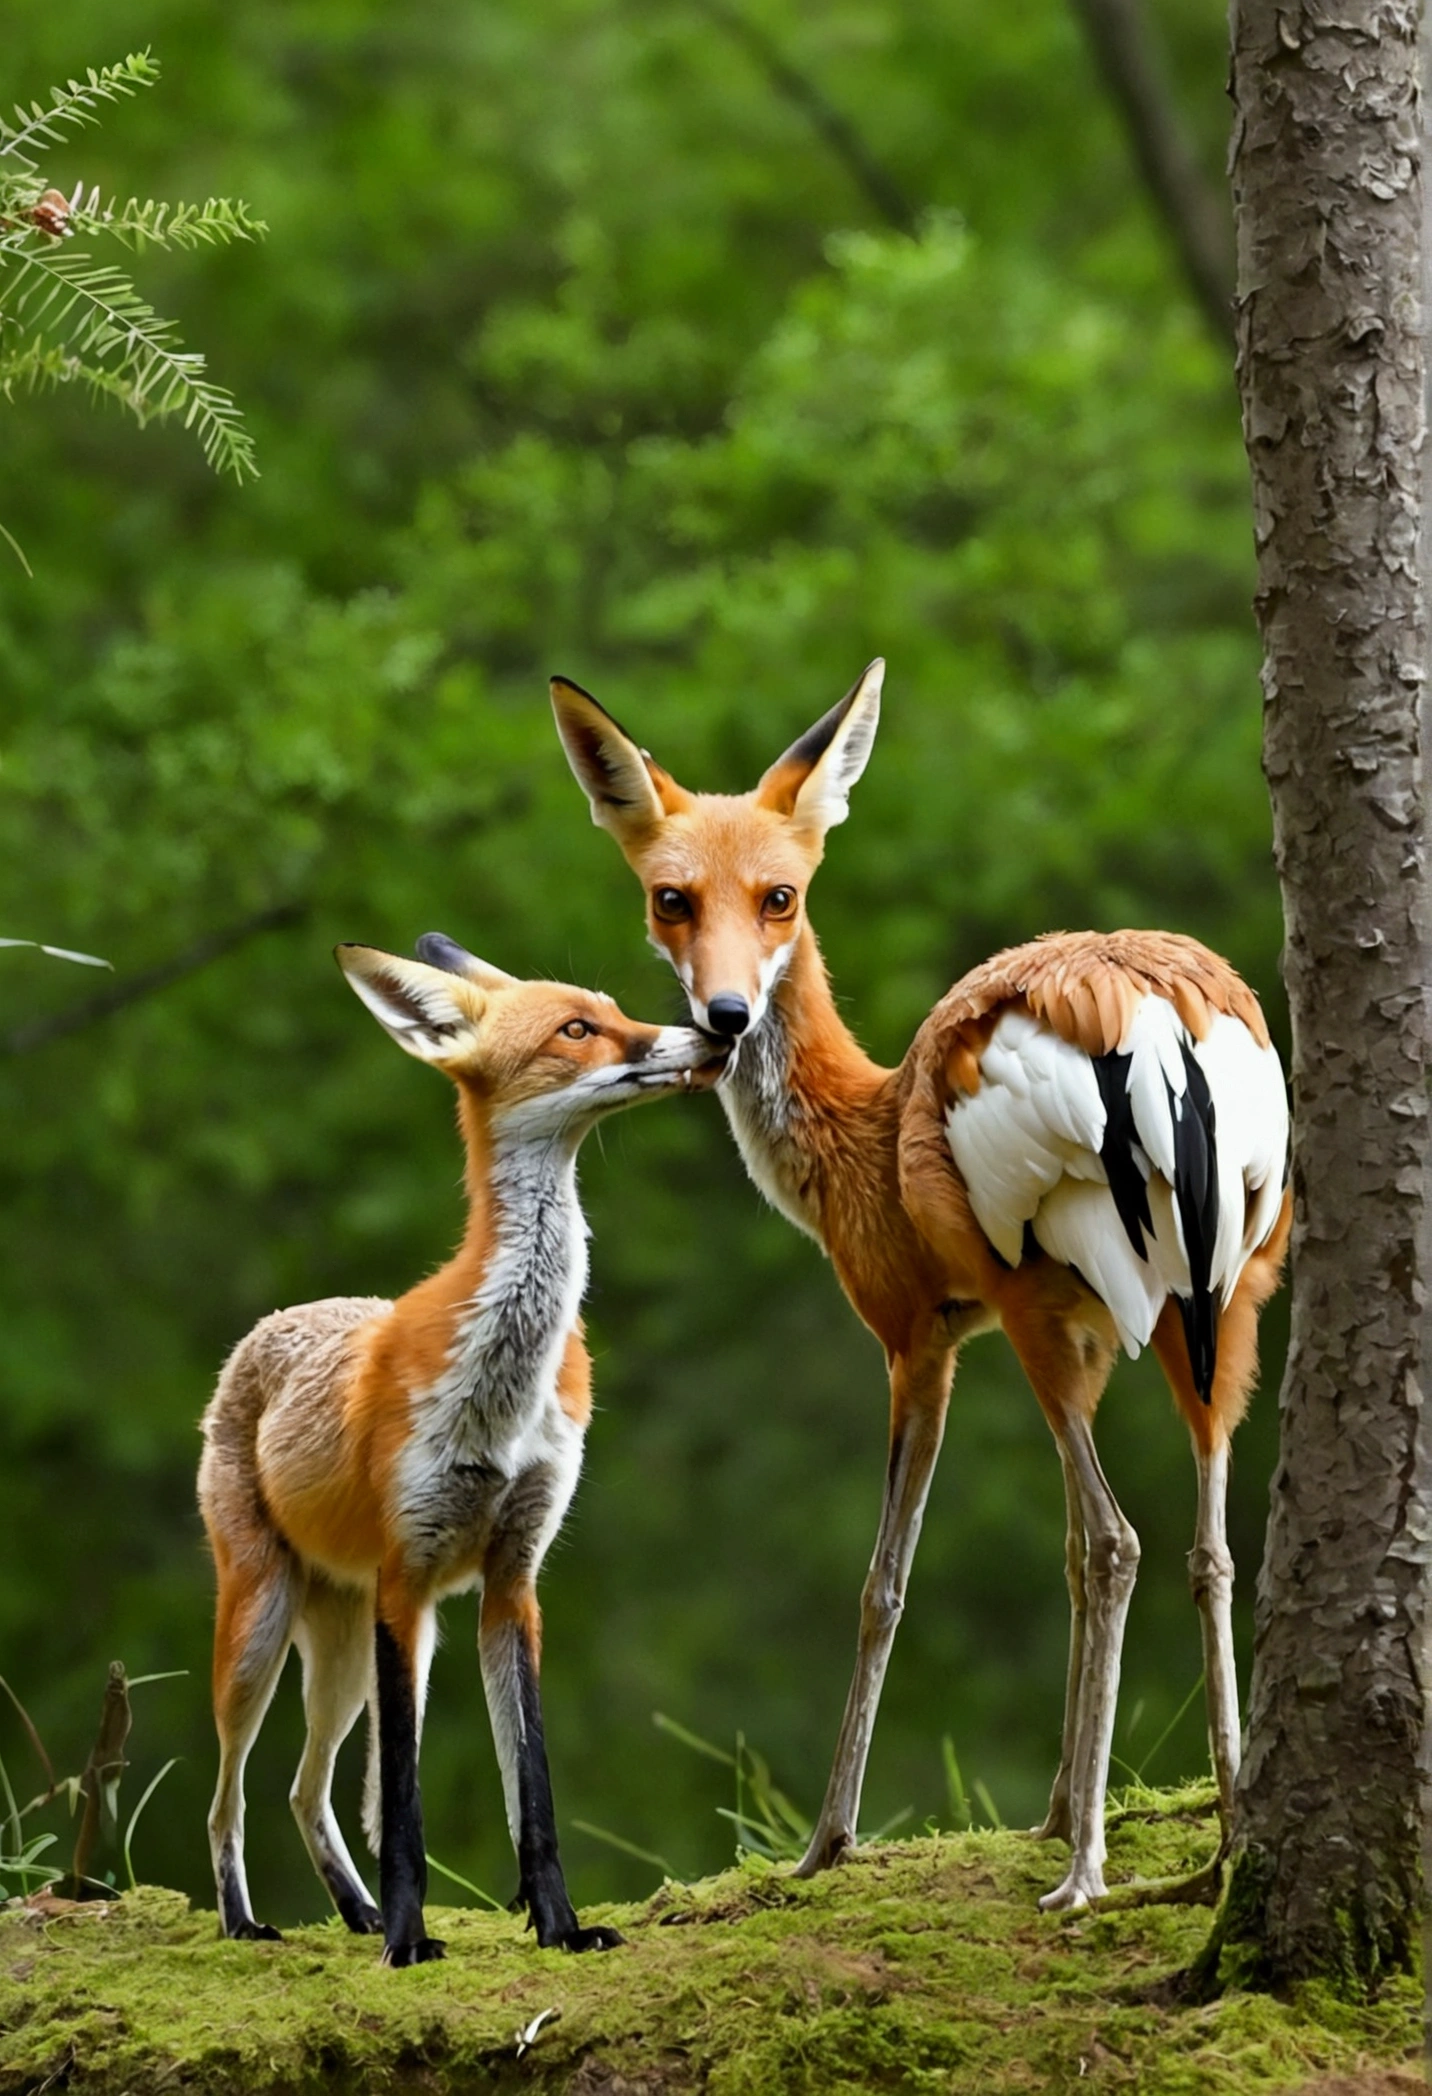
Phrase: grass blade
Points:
(955, 1787)
(691, 1739)
(25, 1719)
(498, 1906)
(626, 1848)
(134, 1817)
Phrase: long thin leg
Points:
(510, 1648)
(1210, 1571)
(332, 1634)
(404, 1626)
(424, 1645)
(252, 1630)
(1111, 1566)
(919, 1398)
(1210, 1565)
(1057, 1824)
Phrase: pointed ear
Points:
(810, 783)
(629, 792)
(432, 1014)
(439, 951)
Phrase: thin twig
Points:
(1196, 214)
(832, 124)
(38, 1033)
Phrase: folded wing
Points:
(1154, 1166)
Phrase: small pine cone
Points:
(51, 214)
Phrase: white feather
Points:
(1154, 1039)
(1250, 1103)
(1037, 1118)
(1027, 1146)
(1078, 1225)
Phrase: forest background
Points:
(574, 346)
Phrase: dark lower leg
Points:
(511, 1678)
(402, 1865)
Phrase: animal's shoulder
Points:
(1086, 987)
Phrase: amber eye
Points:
(576, 1030)
(670, 905)
(779, 902)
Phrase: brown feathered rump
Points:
(1086, 986)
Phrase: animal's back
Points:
(1086, 986)
(284, 1369)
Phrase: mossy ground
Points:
(920, 1965)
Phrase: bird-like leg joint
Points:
(917, 1428)
(1210, 1572)
(1110, 1568)
(1058, 1824)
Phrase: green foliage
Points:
(30, 1860)
(65, 317)
(579, 351)
(923, 1967)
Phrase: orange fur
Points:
(1086, 986)
(318, 1521)
(325, 1453)
(893, 1211)
(574, 1379)
(860, 1154)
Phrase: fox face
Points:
(725, 874)
(545, 1058)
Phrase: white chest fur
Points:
(490, 1427)
(766, 1118)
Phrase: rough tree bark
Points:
(1327, 174)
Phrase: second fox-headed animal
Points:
(364, 1458)
(1084, 1145)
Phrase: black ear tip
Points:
(439, 951)
(559, 685)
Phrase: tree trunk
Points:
(1327, 174)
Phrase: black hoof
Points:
(420, 1953)
(587, 1939)
(254, 1932)
(362, 1919)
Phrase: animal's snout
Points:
(728, 1016)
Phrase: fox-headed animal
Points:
(364, 1458)
(1084, 1145)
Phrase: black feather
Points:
(1195, 1187)
(1126, 1182)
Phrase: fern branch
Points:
(217, 221)
(38, 364)
(75, 104)
(106, 322)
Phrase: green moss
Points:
(919, 1966)
(1358, 1955)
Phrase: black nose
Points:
(728, 1015)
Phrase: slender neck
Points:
(522, 1262)
(827, 1063)
(818, 1124)
(506, 1173)
(801, 1095)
